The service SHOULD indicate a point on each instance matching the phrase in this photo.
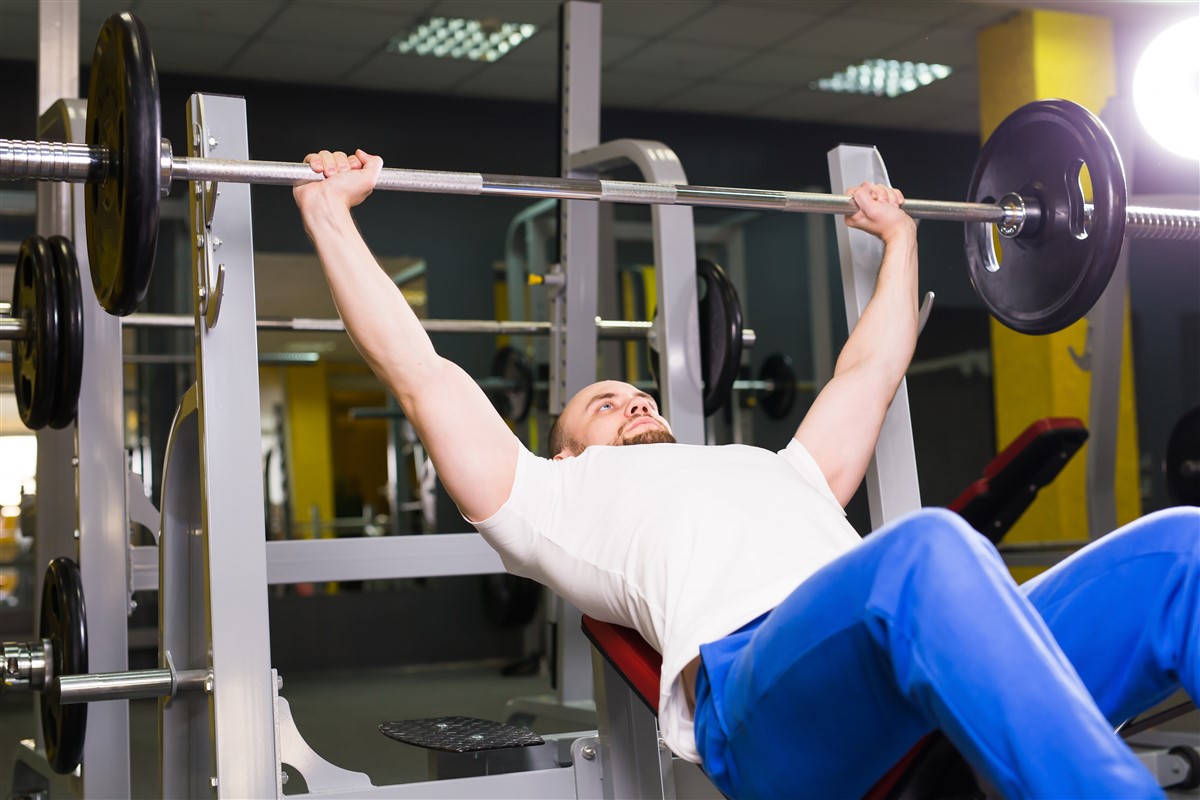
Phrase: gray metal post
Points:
(574, 307)
(635, 761)
(242, 716)
(818, 288)
(1103, 356)
(573, 347)
(58, 45)
(678, 325)
(58, 77)
(103, 519)
(892, 488)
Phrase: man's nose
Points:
(637, 407)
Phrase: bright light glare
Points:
(1166, 88)
(18, 465)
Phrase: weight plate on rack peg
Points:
(70, 327)
(1056, 268)
(36, 356)
(777, 402)
(1181, 464)
(123, 115)
(720, 334)
(516, 398)
(63, 620)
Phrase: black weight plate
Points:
(70, 326)
(1053, 273)
(720, 334)
(64, 622)
(510, 601)
(778, 401)
(36, 356)
(1182, 462)
(123, 116)
(513, 403)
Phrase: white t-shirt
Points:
(683, 543)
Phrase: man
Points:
(798, 659)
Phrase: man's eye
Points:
(604, 406)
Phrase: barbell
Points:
(46, 329)
(1058, 251)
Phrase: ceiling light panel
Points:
(880, 77)
(470, 39)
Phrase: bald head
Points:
(608, 413)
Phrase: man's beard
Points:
(655, 435)
(652, 437)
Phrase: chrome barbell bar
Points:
(83, 163)
(12, 328)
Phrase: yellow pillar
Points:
(1031, 56)
(310, 445)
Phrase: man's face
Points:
(613, 413)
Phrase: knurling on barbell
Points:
(128, 165)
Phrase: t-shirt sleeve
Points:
(802, 461)
(512, 530)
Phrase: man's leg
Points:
(920, 627)
(1126, 611)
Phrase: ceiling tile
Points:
(398, 7)
(854, 38)
(94, 12)
(411, 73)
(512, 81)
(616, 47)
(715, 97)
(199, 53)
(539, 12)
(810, 7)
(649, 17)
(982, 15)
(956, 47)
(915, 12)
(680, 60)
(277, 61)
(635, 90)
(225, 19)
(784, 69)
(317, 22)
(742, 25)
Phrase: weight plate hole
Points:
(987, 237)
(1079, 186)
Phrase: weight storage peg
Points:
(56, 665)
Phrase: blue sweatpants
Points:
(922, 627)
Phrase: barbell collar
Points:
(12, 329)
(26, 665)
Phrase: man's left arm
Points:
(843, 425)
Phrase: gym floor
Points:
(339, 712)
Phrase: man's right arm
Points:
(472, 448)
